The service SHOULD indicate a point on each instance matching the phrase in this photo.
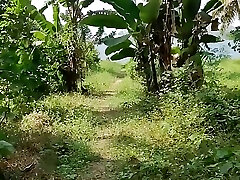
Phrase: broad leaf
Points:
(56, 17)
(205, 17)
(197, 59)
(128, 52)
(226, 167)
(39, 35)
(185, 31)
(191, 8)
(45, 25)
(24, 3)
(110, 21)
(117, 47)
(207, 38)
(87, 3)
(6, 148)
(115, 41)
(150, 11)
(124, 7)
(222, 153)
(212, 5)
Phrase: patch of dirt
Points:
(100, 170)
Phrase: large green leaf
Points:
(24, 3)
(39, 35)
(110, 21)
(212, 5)
(87, 3)
(117, 47)
(45, 25)
(191, 8)
(185, 31)
(150, 11)
(6, 148)
(226, 167)
(56, 17)
(124, 53)
(197, 59)
(115, 41)
(126, 8)
(207, 38)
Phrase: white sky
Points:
(98, 5)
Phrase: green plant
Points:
(28, 68)
(152, 27)
(6, 149)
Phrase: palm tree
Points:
(228, 11)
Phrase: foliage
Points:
(131, 69)
(236, 38)
(6, 149)
(29, 67)
(117, 131)
(81, 51)
(152, 28)
(228, 11)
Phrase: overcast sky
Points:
(98, 5)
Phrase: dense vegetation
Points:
(171, 112)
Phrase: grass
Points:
(231, 73)
(98, 82)
(118, 132)
(112, 67)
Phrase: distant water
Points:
(221, 48)
(224, 48)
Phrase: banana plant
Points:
(151, 28)
(191, 31)
(74, 39)
(137, 19)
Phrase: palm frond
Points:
(228, 12)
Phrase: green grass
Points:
(122, 133)
(112, 67)
(230, 74)
(98, 82)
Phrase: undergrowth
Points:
(178, 135)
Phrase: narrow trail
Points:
(104, 168)
(105, 106)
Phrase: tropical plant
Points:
(236, 38)
(152, 28)
(28, 68)
(75, 37)
(228, 11)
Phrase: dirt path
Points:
(105, 168)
